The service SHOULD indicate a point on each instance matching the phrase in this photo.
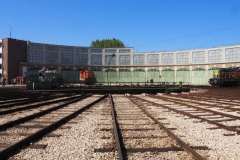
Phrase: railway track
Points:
(26, 106)
(206, 120)
(200, 111)
(30, 99)
(17, 135)
(15, 112)
(138, 132)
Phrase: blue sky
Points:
(146, 25)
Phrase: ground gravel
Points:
(79, 141)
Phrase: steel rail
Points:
(198, 108)
(28, 100)
(195, 116)
(186, 147)
(35, 115)
(117, 133)
(35, 105)
(8, 152)
(212, 105)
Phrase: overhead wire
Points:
(194, 36)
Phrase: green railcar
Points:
(44, 80)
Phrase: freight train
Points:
(226, 77)
(87, 77)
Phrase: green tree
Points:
(108, 43)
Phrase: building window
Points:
(82, 59)
(124, 50)
(51, 57)
(96, 50)
(67, 58)
(35, 56)
(138, 59)
(110, 50)
(232, 54)
(36, 46)
(0, 55)
(167, 58)
(52, 48)
(96, 59)
(215, 55)
(183, 58)
(67, 49)
(0, 45)
(82, 50)
(124, 59)
(0, 66)
(198, 57)
(152, 59)
(110, 60)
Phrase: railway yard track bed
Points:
(201, 124)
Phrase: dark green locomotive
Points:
(44, 79)
(226, 77)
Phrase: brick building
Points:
(12, 52)
(193, 66)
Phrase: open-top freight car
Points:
(226, 77)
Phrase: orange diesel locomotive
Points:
(87, 77)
